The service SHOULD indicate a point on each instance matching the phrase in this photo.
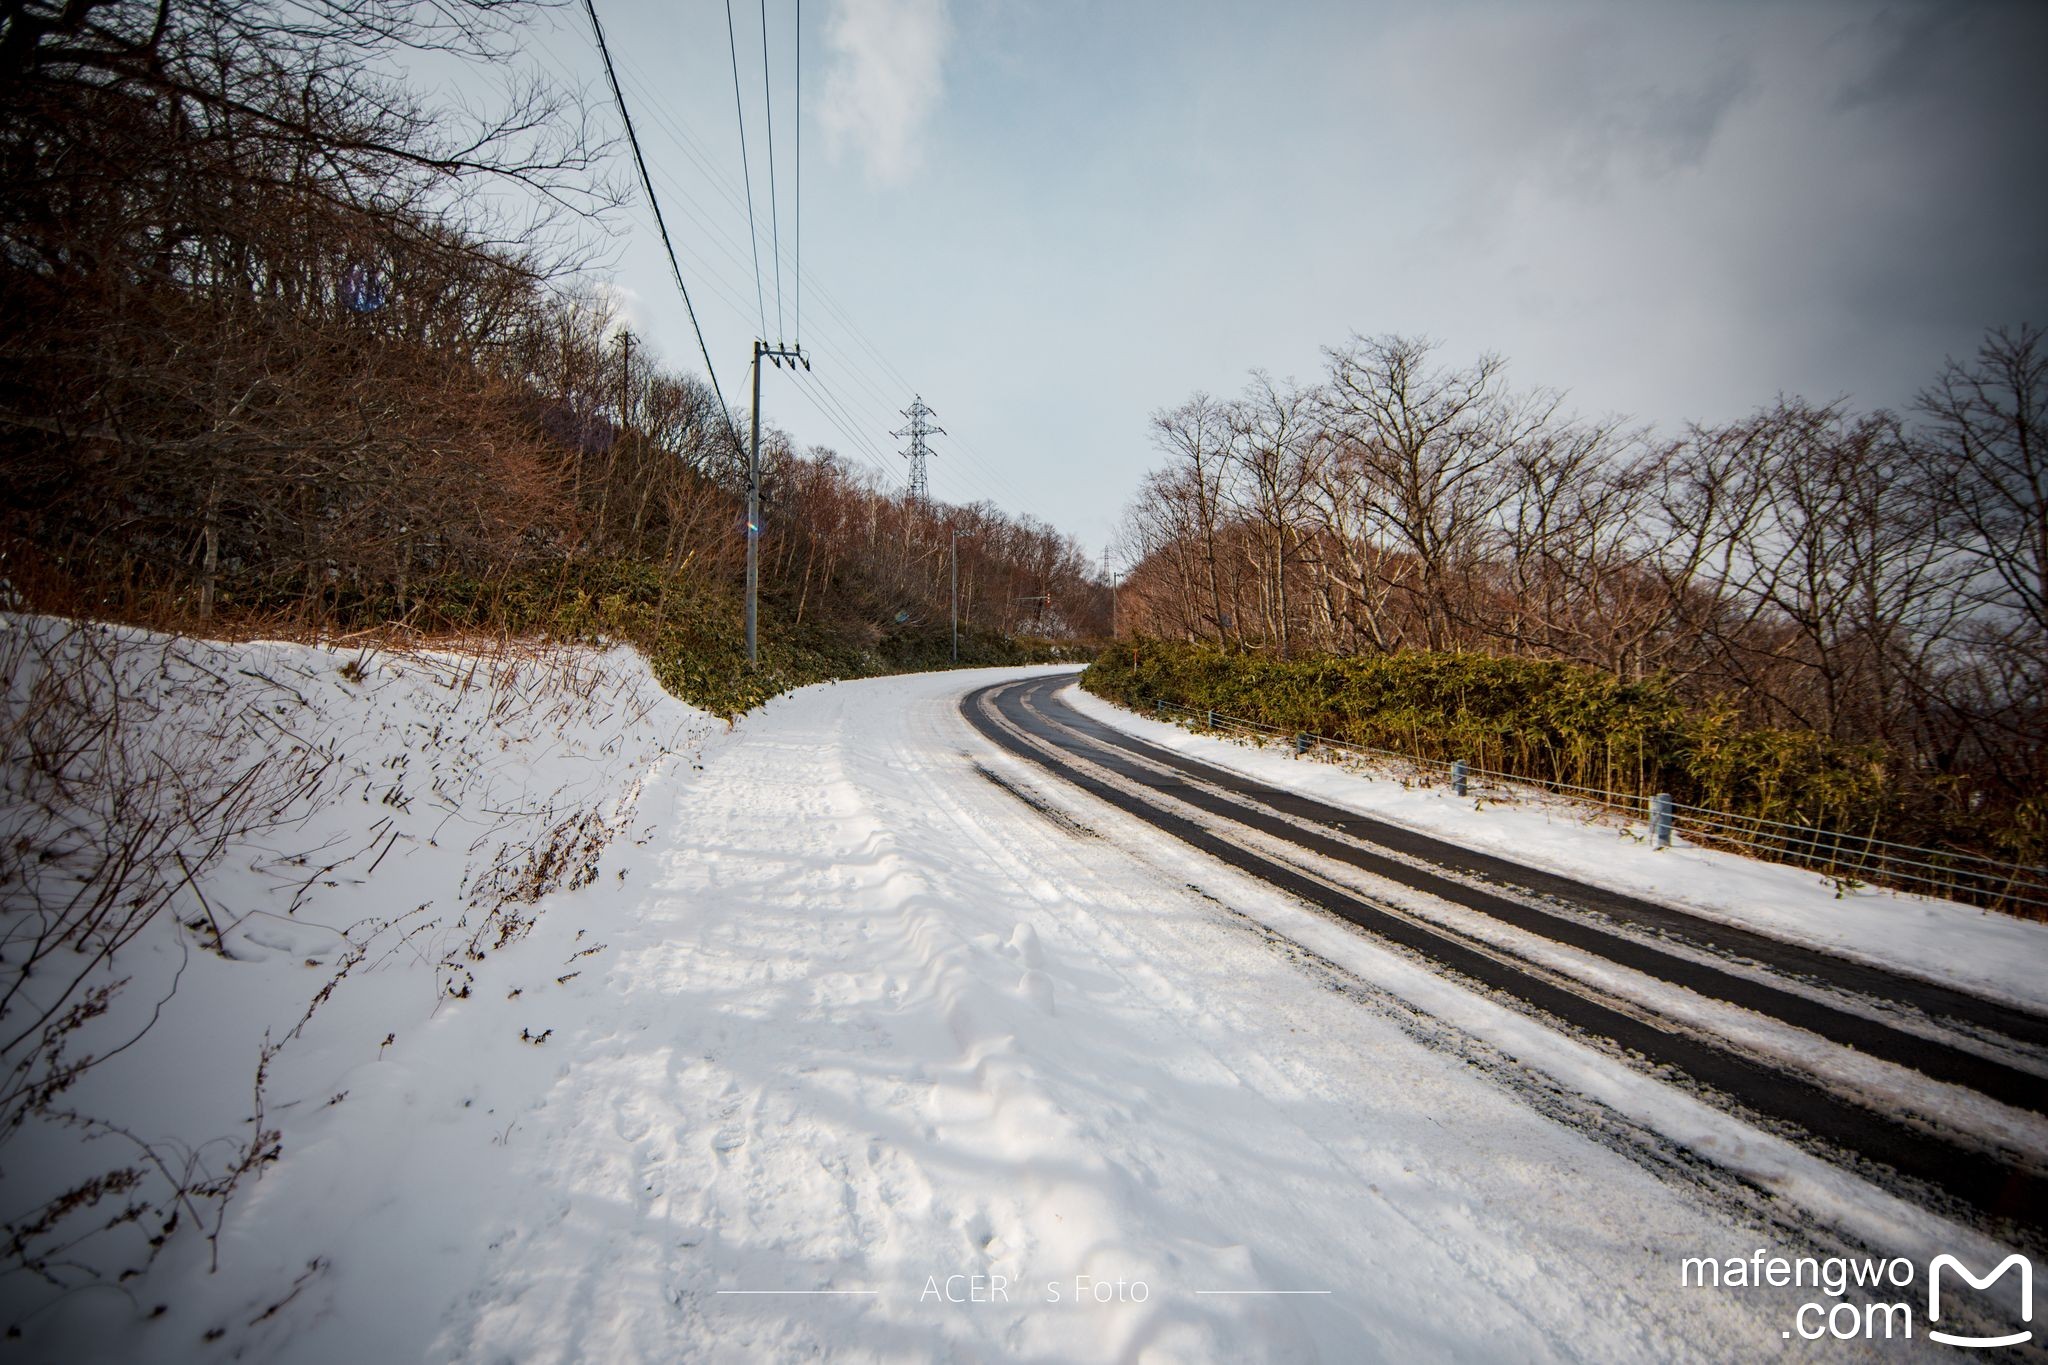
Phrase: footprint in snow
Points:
(1023, 946)
(1036, 987)
(630, 1124)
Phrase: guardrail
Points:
(1849, 859)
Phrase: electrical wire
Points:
(796, 308)
(746, 165)
(825, 401)
(647, 183)
(842, 408)
(828, 402)
(774, 201)
(988, 471)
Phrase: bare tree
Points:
(1195, 438)
(1276, 448)
(1436, 445)
(1989, 439)
(1571, 547)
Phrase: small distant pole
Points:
(1109, 572)
(1458, 771)
(1661, 820)
(956, 590)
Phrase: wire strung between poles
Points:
(660, 223)
(746, 166)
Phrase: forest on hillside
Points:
(284, 344)
(1875, 580)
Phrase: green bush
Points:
(691, 632)
(1563, 723)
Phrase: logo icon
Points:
(2026, 1269)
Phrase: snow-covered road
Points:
(867, 1044)
(862, 1022)
(1946, 1088)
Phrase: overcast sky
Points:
(1052, 218)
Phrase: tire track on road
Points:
(1999, 1190)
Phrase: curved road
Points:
(1314, 851)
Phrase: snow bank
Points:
(1995, 954)
(365, 831)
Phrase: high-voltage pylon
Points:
(919, 428)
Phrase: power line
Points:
(847, 412)
(986, 468)
(746, 165)
(843, 418)
(796, 309)
(855, 446)
(822, 399)
(833, 408)
(694, 149)
(774, 202)
(850, 449)
(647, 183)
(828, 403)
(836, 408)
(864, 446)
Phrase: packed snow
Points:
(808, 1037)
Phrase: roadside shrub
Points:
(1554, 722)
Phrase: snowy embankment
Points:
(301, 858)
(1994, 954)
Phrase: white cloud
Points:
(884, 80)
(628, 310)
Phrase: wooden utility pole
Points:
(775, 355)
(956, 590)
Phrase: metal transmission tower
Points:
(919, 428)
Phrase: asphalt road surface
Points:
(1344, 863)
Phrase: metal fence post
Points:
(1301, 744)
(1660, 819)
(1212, 718)
(1458, 771)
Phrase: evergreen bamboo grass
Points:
(1555, 722)
(690, 632)
(686, 624)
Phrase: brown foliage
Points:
(1867, 578)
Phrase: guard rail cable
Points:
(1847, 859)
